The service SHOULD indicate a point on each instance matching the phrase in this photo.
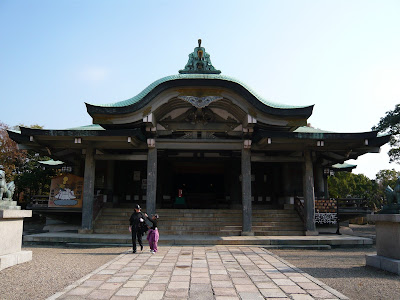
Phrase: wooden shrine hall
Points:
(200, 140)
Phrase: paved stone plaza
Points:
(215, 272)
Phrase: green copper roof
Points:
(304, 129)
(147, 90)
(344, 166)
(51, 162)
(87, 127)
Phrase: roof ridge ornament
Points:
(199, 62)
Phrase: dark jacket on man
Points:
(137, 232)
(134, 220)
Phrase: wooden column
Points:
(319, 180)
(308, 193)
(110, 180)
(287, 184)
(326, 190)
(88, 191)
(151, 193)
(246, 192)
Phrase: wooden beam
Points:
(198, 144)
(276, 159)
(120, 157)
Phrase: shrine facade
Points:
(199, 139)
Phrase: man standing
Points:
(136, 221)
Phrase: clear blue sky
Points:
(342, 56)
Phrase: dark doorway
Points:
(202, 184)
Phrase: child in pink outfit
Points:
(153, 234)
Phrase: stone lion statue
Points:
(6, 189)
(393, 196)
(10, 190)
(3, 185)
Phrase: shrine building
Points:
(200, 140)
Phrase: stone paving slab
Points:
(201, 240)
(199, 272)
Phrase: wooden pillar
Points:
(110, 180)
(88, 191)
(235, 183)
(326, 190)
(287, 184)
(246, 192)
(151, 193)
(319, 180)
(308, 193)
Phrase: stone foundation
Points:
(383, 263)
(5, 204)
(11, 226)
(387, 243)
(15, 258)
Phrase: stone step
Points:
(186, 228)
(210, 213)
(299, 241)
(123, 228)
(162, 223)
(105, 222)
(174, 232)
(198, 212)
(207, 216)
(279, 233)
(205, 222)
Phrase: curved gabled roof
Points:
(180, 80)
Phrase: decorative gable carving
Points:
(200, 102)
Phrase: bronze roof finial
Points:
(199, 43)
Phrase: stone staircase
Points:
(218, 222)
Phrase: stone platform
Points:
(11, 223)
(332, 240)
(384, 263)
(15, 258)
(387, 243)
(5, 204)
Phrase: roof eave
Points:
(301, 112)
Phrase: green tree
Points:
(32, 178)
(23, 166)
(349, 185)
(10, 157)
(341, 185)
(387, 177)
(345, 184)
(390, 124)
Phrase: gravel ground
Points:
(345, 271)
(51, 270)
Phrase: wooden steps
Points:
(218, 222)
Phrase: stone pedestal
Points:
(11, 226)
(387, 243)
(5, 204)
